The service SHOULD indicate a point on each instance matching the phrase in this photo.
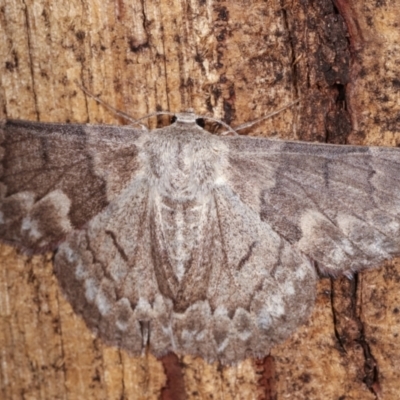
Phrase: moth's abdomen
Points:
(181, 242)
(182, 225)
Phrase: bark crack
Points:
(60, 334)
(174, 388)
(371, 370)
(335, 319)
(123, 390)
(293, 59)
(31, 61)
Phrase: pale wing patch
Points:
(322, 240)
(37, 222)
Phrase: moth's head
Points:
(188, 117)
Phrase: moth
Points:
(179, 240)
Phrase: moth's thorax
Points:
(184, 161)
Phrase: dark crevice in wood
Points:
(338, 121)
(337, 11)
(60, 333)
(293, 57)
(343, 331)
(266, 370)
(31, 62)
(335, 319)
(123, 389)
(174, 388)
(371, 371)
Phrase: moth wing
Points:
(259, 288)
(107, 274)
(340, 205)
(244, 287)
(56, 177)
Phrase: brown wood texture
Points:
(234, 60)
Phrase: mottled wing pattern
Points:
(185, 267)
(242, 290)
(340, 205)
(56, 177)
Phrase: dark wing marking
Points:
(56, 177)
(340, 205)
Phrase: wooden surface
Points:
(234, 60)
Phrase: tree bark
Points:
(235, 61)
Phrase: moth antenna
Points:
(111, 108)
(230, 129)
(256, 121)
(155, 114)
